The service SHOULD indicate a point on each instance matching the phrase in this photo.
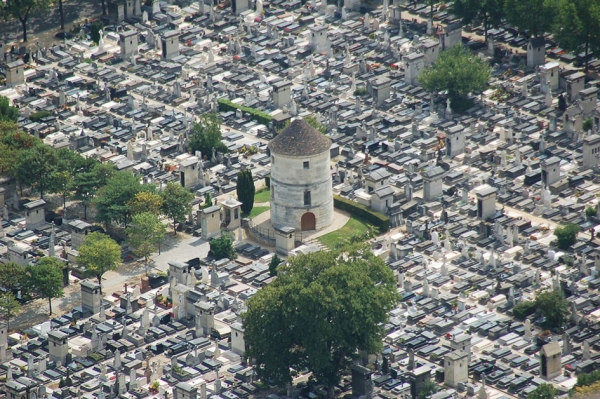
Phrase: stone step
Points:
(317, 243)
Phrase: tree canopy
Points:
(176, 202)
(489, 12)
(112, 199)
(145, 234)
(566, 235)
(206, 135)
(576, 26)
(534, 16)
(8, 113)
(90, 176)
(22, 10)
(458, 72)
(98, 254)
(543, 391)
(47, 279)
(9, 307)
(13, 277)
(35, 167)
(554, 307)
(320, 310)
(146, 202)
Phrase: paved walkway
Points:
(340, 218)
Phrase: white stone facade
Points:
(291, 179)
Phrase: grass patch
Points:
(353, 225)
(263, 195)
(257, 210)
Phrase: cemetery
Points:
(324, 104)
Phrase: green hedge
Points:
(37, 116)
(259, 116)
(378, 220)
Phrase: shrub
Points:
(95, 29)
(222, 247)
(566, 236)
(97, 357)
(377, 219)
(524, 309)
(259, 116)
(37, 116)
(590, 211)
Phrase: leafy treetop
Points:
(98, 254)
(320, 310)
(206, 135)
(458, 72)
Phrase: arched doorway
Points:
(308, 221)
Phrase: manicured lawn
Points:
(257, 210)
(352, 226)
(262, 196)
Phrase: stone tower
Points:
(301, 195)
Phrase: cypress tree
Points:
(245, 190)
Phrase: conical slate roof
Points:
(299, 139)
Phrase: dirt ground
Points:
(43, 25)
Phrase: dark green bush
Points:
(377, 219)
(37, 116)
(524, 309)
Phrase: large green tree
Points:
(146, 201)
(22, 10)
(8, 113)
(489, 12)
(35, 167)
(89, 177)
(533, 16)
(98, 254)
(46, 279)
(9, 307)
(13, 278)
(554, 307)
(61, 179)
(112, 199)
(577, 26)
(322, 308)
(566, 235)
(61, 183)
(457, 71)
(145, 234)
(12, 143)
(543, 391)
(206, 135)
(176, 203)
(245, 190)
